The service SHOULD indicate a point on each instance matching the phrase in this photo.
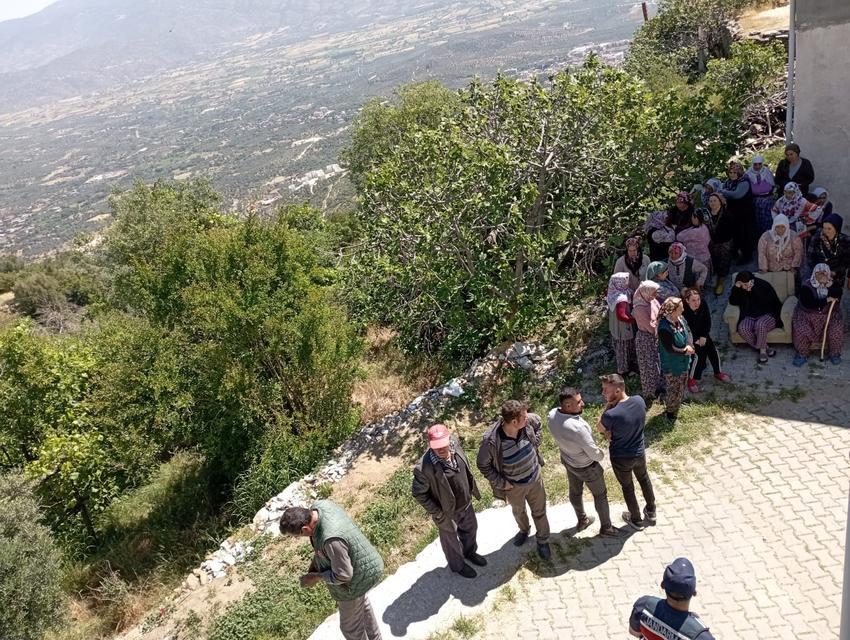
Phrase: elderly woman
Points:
(620, 323)
(679, 215)
(660, 235)
(737, 192)
(683, 270)
(658, 272)
(721, 227)
(634, 262)
(760, 311)
(696, 238)
(802, 214)
(820, 294)
(821, 197)
(761, 184)
(675, 348)
(712, 185)
(699, 321)
(780, 249)
(795, 168)
(830, 246)
(645, 308)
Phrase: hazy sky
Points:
(19, 8)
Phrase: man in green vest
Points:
(344, 560)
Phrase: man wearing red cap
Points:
(443, 484)
(670, 619)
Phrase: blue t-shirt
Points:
(657, 620)
(626, 422)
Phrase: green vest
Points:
(366, 563)
(674, 363)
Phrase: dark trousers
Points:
(624, 468)
(594, 477)
(706, 353)
(457, 536)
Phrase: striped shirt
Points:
(519, 458)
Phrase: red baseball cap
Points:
(438, 436)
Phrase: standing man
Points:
(656, 619)
(623, 423)
(443, 484)
(344, 560)
(581, 457)
(510, 459)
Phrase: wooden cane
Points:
(826, 328)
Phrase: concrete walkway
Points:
(761, 515)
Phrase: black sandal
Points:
(771, 352)
(763, 357)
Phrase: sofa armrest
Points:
(731, 315)
(787, 313)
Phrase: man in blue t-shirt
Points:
(670, 619)
(623, 423)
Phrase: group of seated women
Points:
(658, 317)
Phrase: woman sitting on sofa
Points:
(760, 311)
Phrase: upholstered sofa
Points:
(783, 284)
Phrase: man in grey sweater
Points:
(581, 457)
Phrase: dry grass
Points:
(764, 18)
(390, 379)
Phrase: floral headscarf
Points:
(684, 196)
(656, 220)
(682, 257)
(633, 265)
(669, 306)
(645, 293)
(821, 289)
(792, 206)
(618, 289)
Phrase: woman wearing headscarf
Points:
(659, 234)
(821, 197)
(739, 198)
(721, 227)
(712, 185)
(620, 323)
(658, 272)
(795, 168)
(696, 238)
(645, 308)
(760, 311)
(802, 215)
(780, 249)
(634, 262)
(816, 297)
(699, 322)
(761, 184)
(675, 348)
(684, 270)
(830, 246)
(679, 215)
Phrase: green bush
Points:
(29, 566)
(479, 229)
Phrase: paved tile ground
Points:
(761, 511)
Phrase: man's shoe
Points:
(474, 558)
(671, 417)
(544, 551)
(649, 517)
(610, 532)
(584, 523)
(637, 525)
(467, 572)
(723, 377)
(520, 538)
(718, 289)
(693, 387)
(799, 360)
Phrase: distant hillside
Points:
(75, 47)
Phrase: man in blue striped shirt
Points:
(510, 459)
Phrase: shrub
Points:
(29, 566)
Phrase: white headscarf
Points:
(618, 290)
(780, 220)
(821, 289)
(762, 174)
